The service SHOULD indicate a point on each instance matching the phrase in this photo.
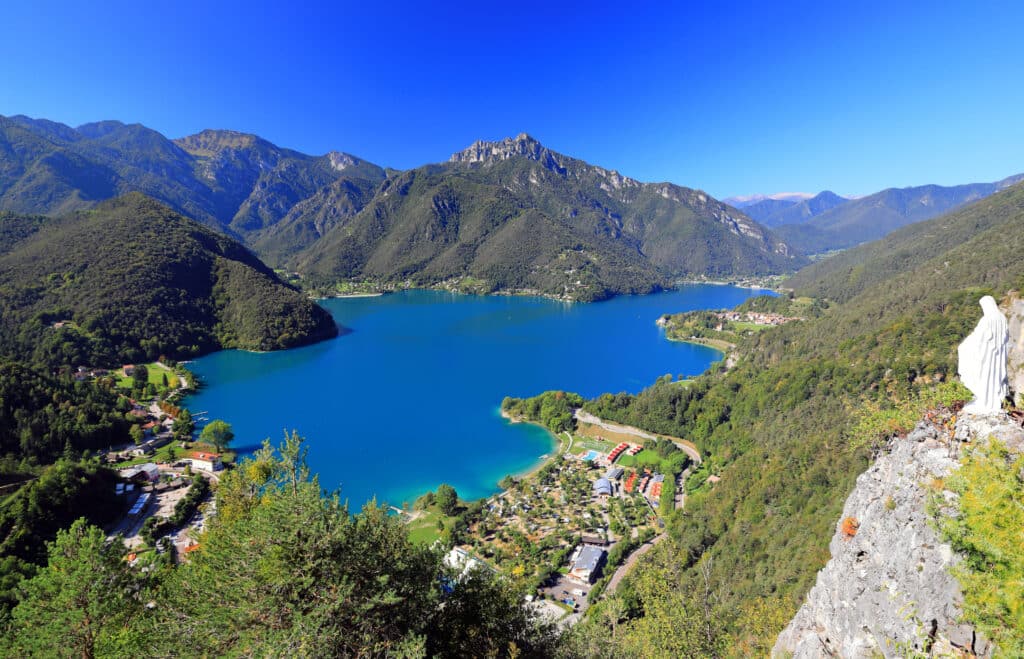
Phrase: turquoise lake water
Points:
(410, 397)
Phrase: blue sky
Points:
(732, 98)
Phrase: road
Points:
(628, 564)
(687, 447)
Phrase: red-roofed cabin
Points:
(205, 461)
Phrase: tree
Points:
(184, 426)
(72, 607)
(218, 433)
(135, 432)
(447, 499)
(140, 376)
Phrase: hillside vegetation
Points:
(843, 276)
(789, 429)
(131, 280)
(281, 571)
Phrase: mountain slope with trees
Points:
(516, 215)
(131, 280)
(499, 215)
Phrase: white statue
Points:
(982, 366)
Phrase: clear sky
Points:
(733, 98)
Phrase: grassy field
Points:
(742, 326)
(645, 456)
(612, 438)
(156, 374)
(423, 530)
(581, 443)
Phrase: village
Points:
(754, 317)
(565, 530)
(165, 476)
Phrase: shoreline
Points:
(342, 296)
(530, 292)
(717, 345)
(555, 452)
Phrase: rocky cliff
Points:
(1014, 310)
(887, 589)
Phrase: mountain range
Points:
(828, 222)
(499, 215)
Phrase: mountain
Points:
(773, 213)
(497, 216)
(239, 184)
(867, 218)
(131, 280)
(516, 215)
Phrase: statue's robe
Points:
(982, 360)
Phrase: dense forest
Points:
(130, 281)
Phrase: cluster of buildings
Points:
(756, 317)
(623, 447)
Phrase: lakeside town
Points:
(568, 532)
(166, 478)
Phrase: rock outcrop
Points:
(887, 589)
(1014, 310)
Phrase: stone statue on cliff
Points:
(982, 365)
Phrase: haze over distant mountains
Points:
(497, 216)
(826, 221)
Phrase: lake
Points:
(410, 397)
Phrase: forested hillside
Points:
(498, 216)
(788, 430)
(131, 280)
(848, 273)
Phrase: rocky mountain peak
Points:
(522, 145)
(341, 161)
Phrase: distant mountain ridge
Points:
(742, 201)
(827, 221)
(237, 183)
(504, 215)
(776, 212)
